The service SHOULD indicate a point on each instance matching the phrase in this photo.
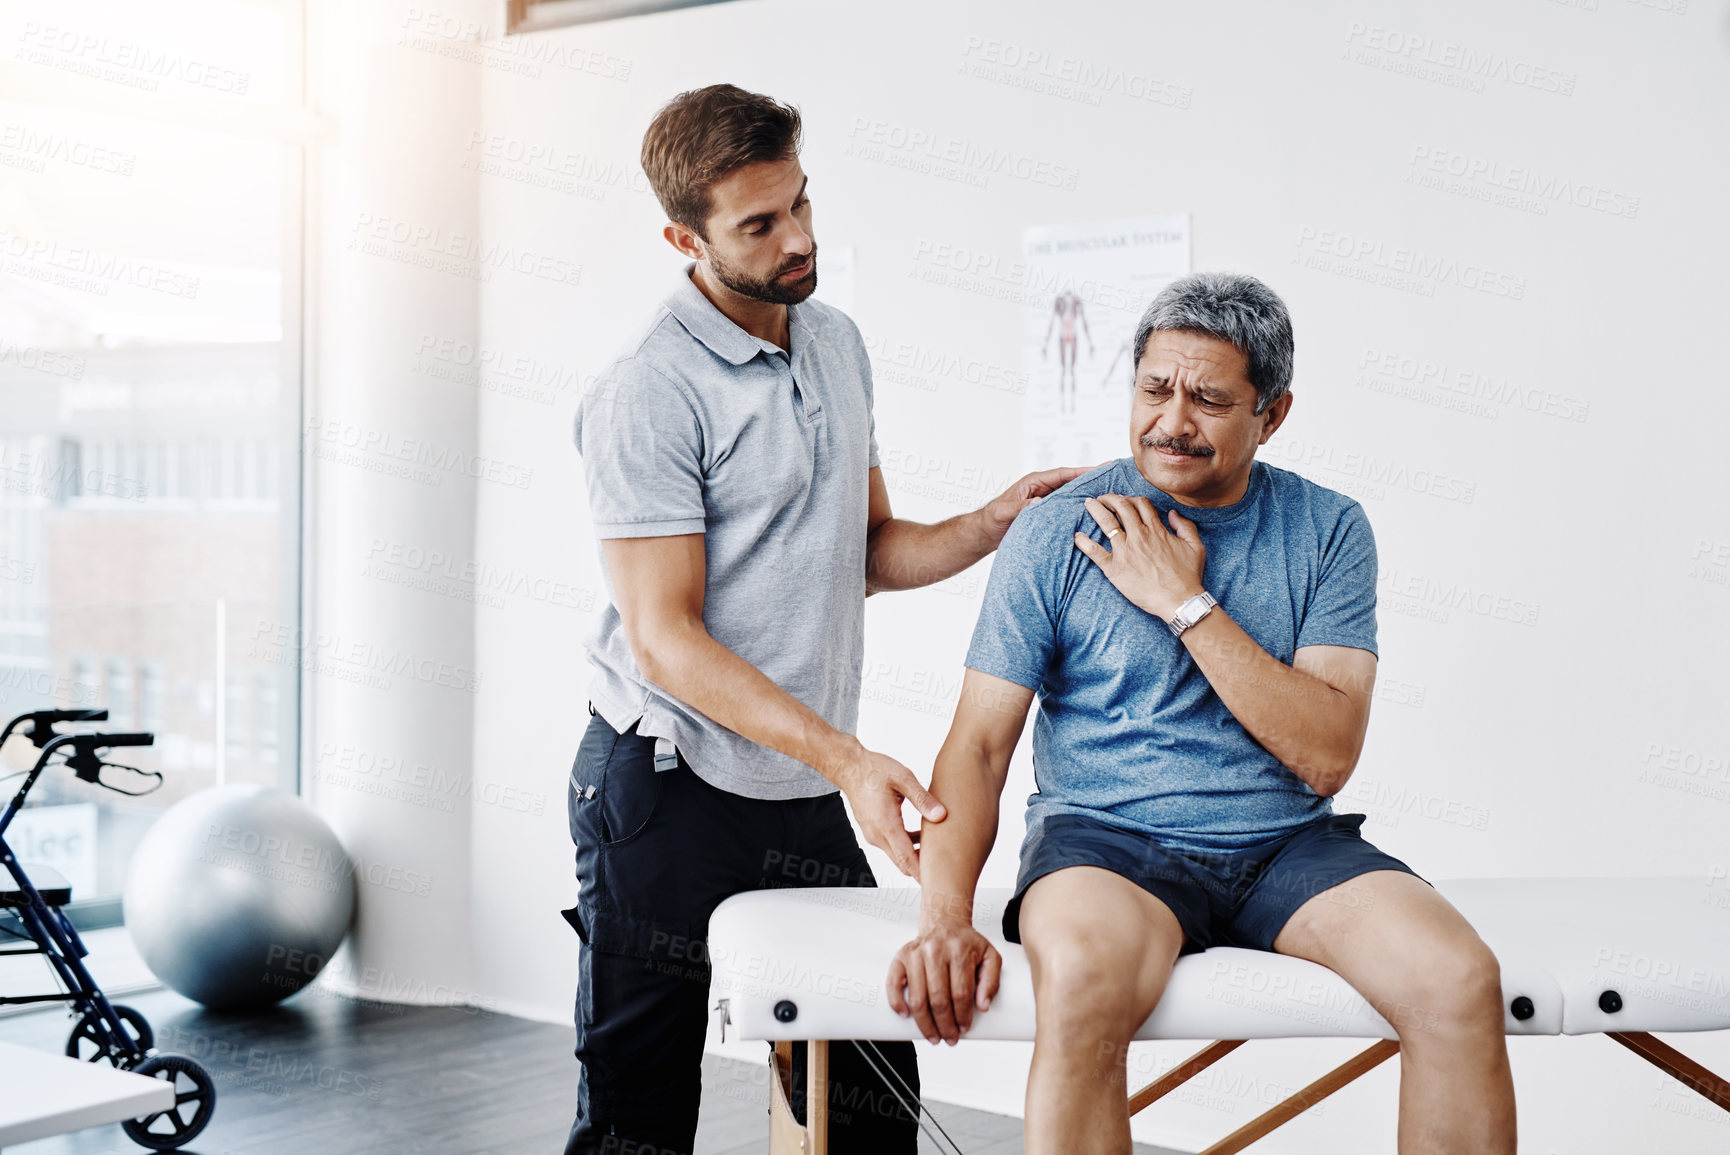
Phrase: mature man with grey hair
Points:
(1204, 682)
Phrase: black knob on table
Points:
(786, 1011)
(1609, 1002)
(1522, 1008)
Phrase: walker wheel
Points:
(194, 1102)
(85, 1042)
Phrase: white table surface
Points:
(45, 1094)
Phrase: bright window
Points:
(151, 160)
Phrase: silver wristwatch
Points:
(1190, 612)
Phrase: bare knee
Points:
(1085, 995)
(1455, 990)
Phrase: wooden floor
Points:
(322, 1075)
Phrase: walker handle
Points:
(42, 723)
(134, 738)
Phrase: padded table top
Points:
(1661, 945)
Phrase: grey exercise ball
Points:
(238, 896)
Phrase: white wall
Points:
(1498, 748)
(389, 635)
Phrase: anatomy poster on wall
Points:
(1087, 285)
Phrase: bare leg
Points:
(1101, 949)
(1424, 969)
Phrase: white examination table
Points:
(1616, 956)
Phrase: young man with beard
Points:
(733, 476)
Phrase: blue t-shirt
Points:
(1129, 730)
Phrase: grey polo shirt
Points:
(700, 427)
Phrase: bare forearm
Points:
(1310, 726)
(707, 676)
(904, 555)
(952, 853)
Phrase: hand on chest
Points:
(1255, 581)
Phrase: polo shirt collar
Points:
(713, 328)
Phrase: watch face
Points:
(1192, 610)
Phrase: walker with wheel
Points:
(105, 1032)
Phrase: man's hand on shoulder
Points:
(1000, 512)
(944, 975)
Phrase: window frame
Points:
(539, 15)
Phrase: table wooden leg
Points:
(1297, 1104)
(786, 1134)
(1182, 1073)
(1675, 1064)
(817, 1096)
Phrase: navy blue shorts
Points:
(1221, 898)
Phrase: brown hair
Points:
(699, 137)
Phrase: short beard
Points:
(770, 289)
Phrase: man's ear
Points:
(685, 239)
(1274, 416)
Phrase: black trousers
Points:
(657, 851)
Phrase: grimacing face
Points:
(760, 243)
(1193, 426)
